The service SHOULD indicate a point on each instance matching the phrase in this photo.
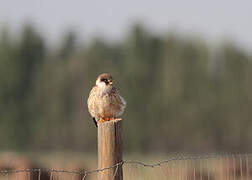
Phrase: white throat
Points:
(103, 87)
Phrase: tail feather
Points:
(95, 122)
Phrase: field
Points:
(137, 166)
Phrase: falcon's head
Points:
(104, 80)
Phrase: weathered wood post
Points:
(110, 149)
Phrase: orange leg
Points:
(101, 120)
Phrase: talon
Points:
(101, 120)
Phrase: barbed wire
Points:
(84, 173)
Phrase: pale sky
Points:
(212, 20)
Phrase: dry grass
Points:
(239, 167)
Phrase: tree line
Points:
(182, 93)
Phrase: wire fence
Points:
(181, 167)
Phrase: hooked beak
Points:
(110, 82)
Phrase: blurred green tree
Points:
(182, 95)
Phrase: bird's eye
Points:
(104, 80)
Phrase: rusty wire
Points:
(171, 159)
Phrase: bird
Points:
(105, 102)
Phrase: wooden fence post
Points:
(110, 150)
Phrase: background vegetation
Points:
(182, 93)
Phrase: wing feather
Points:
(91, 101)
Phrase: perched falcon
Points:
(104, 101)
